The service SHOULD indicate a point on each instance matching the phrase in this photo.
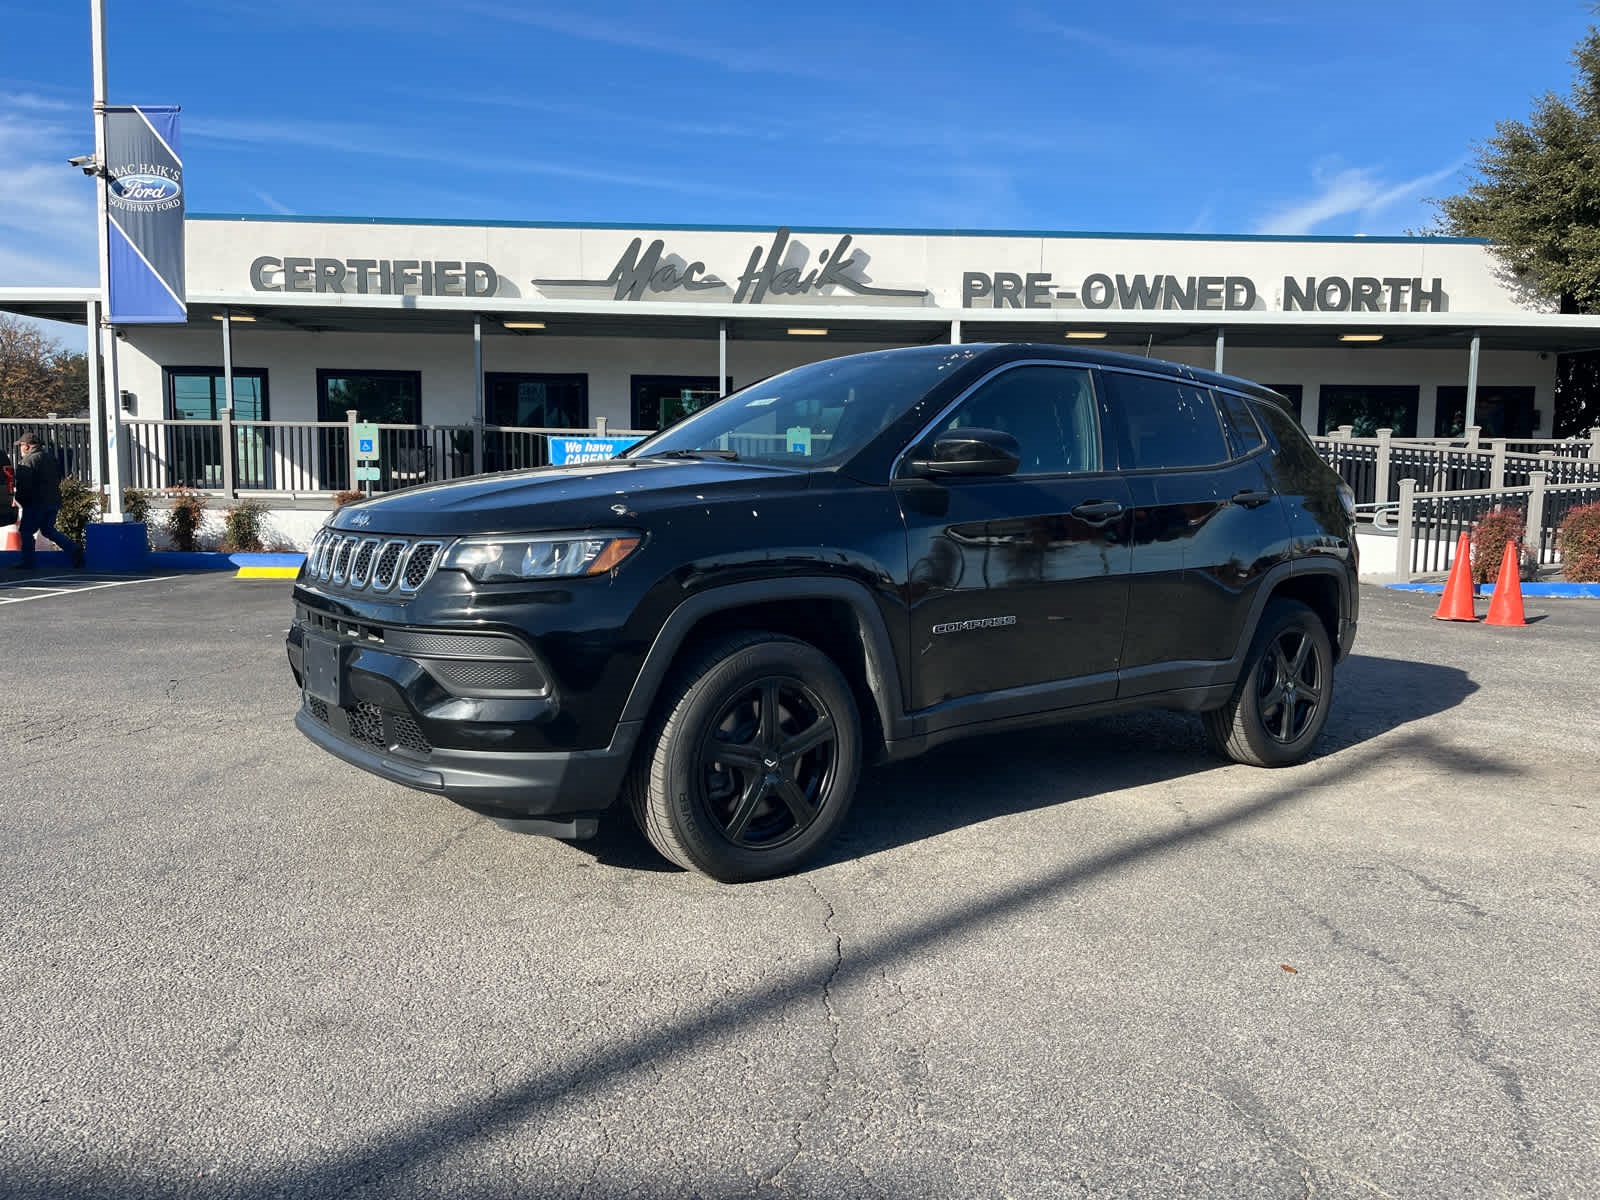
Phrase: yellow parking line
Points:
(267, 572)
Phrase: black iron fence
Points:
(1428, 525)
(1374, 467)
(299, 458)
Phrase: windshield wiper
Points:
(709, 452)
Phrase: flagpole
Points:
(106, 331)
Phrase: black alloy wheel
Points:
(754, 763)
(1280, 705)
(1289, 686)
(767, 762)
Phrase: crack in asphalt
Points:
(830, 1076)
(1262, 1124)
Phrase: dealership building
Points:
(565, 326)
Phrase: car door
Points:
(1019, 581)
(1206, 529)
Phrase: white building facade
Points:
(563, 326)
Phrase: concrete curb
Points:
(1568, 591)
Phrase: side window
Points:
(1049, 410)
(1244, 435)
(1294, 447)
(1165, 423)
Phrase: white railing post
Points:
(1380, 485)
(1472, 436)
(599, 427)
(1343, 433)
(1497, 465)
(1404, 528)
(230, 469)
(478, 434)
(1533, 529)
(350, 416)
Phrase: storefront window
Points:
(384, 398)
(1368, 407)
(1500, 412)
(663, 400)
(195, 455)
(527, 400)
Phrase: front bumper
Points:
(554, 784)
(465, 715)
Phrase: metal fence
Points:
(70, 438)
(297, 458)
(1375, 467)
(1429, 524)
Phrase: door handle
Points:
(1099, 511)
(1251, 498)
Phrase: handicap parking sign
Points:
(364, 447)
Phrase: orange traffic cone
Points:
(1456, 603)
(1505, 608)
(13, 540)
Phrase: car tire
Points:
(1280, 704)
(754, 762)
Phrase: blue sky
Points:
(1141, 116)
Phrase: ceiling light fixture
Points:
(808, 333)
(1361, 337)
(234, 316)
(523, 324)
(1087, 335)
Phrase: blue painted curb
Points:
(161, 560)
(199, 560)
(1569, 591)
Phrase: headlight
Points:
(542, 556)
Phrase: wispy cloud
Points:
(1150, 56)
(273, 205)
(631, 36)
(1349, 191)
(47, 223)
(379, 142)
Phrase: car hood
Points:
(582, 496)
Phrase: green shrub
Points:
(80, 505)
(1490, 533)
(136, 505)
(1579, 541)
(241, 526)
(183, 522)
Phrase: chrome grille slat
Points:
(419, 565)
(386, 570)
(372, 563)
(361, 563)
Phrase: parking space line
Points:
(48, 586)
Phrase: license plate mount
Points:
(322, 669)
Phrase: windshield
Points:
(817, 415)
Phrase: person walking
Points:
(38, 493)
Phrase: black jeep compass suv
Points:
(856, 559)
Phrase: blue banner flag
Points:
(144, 215)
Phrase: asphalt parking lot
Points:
(1087, 961)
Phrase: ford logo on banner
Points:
(145, 189)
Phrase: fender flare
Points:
(883, 680)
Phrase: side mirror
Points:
(972, 451)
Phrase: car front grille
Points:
(360, 562)
(380, 728)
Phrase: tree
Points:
(37, 376)
(1537, 199)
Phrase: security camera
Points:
(87, 163)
